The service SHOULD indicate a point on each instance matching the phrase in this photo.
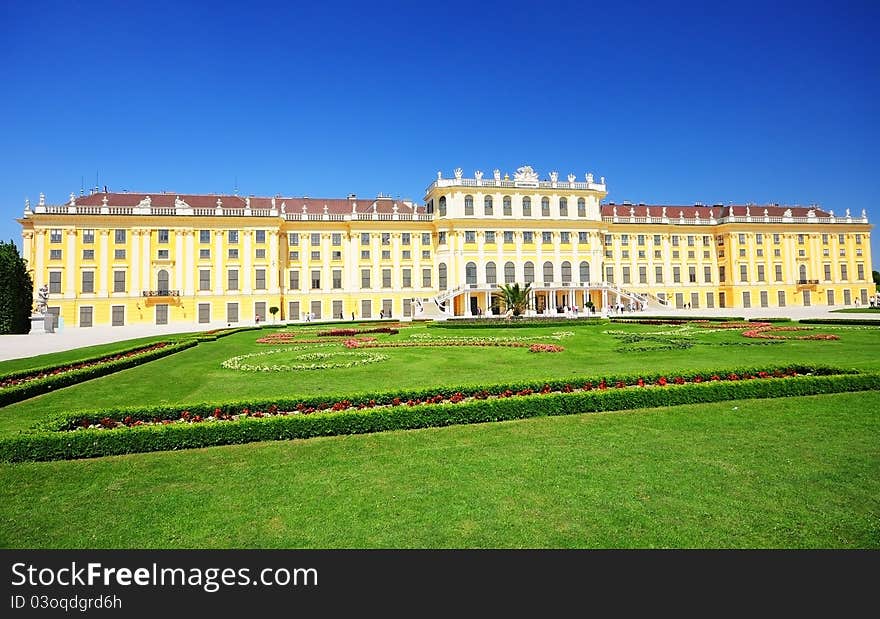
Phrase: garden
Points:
(433, 413)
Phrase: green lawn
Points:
(858, 310)
(795, 473)
(800, 472)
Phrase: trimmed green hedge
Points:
(514, 323)
(37, 446)
(771, 319)
(681, 318)
(69, 420)
(840, 321)
(40, 386)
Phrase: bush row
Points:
(678, 318)
(500, 323)
(44, 385)
(69, 420)
(840, 321)
(96, 443)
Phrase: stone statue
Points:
(614, 211)
(458, 172)
(601, 180)
(43, 300)
(571, 178)
(589, 177)
(787, 213)
(864, 213)
(439, 175)
(711, 213)
(478, 175)
(632, 211)
(663, 213)
(497, 174)
(648, 211)
(847, 213)
(526, 174)
(748, 212)
(554, 176)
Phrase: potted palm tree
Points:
(515, 298)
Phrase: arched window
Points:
(803, 271)
(585, 271)
(468, 205)
(563, 207)
(430, 207)
(548, 271)
(582, 207)
(527, 207)
(470, 273)
(442, 206)
(441, 276)
(566, 271)
(491, 274)
(162, 280)
(487, 205)
(529, 272)
(509, 273)
(545, 207)
(508, 209)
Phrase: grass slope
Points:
(793, 473)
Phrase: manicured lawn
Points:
(858, 310)
(793, 473)
(195, 375)
(796, 472)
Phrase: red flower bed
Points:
(350, 332)
(18, 380)
(545, 348)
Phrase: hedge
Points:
(840, 321)
(636, 317)
(40, 386)
(514, 323)
(48, 445)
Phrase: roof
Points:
(707, 212)
(338, 206)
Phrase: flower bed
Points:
(167, 428)
(350, 332)
(320, 360)
(545, 348)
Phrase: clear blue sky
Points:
(672, 103)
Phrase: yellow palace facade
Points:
(164, 258)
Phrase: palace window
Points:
(260, 236)
(386, 238)
(441, 238)
(426, 278)
(426, 238)
(118, 237)
(88, 281)
(508, 209)
(470, 273)
(565, 237)
(509, 273)
(88, 254)
(232, 279)
(441, 276)
(293, 238)
(294, 280)
(204, 236)
(490, 237)
(470, 236)
(658, 275)
(582, 207)
(261, 254)
(406, 278)
(508, 236)
(563, 207)
(442, 206)
(583, 238)
(162, 254)
(487, 205)
(468, 205)
(316, 279)
(548, 271)
(55, 254)
(204, 254)
(88, 237)
(584, 271)
(545, 207)
(546, 238)
(491, 274)
(365, 238)
(528, 237)
(386, 278)
(55, 282)
(232, 254)
(777, 268)
(527, 207)
(118, 281)
(162, 236)
(566, 271)
(529, 273)
(233, 236)
(204, 279)
(405, 238)
(337, 279)
(119, 254)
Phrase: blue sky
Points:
(671, 102)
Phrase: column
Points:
(135, 262)
(247, 268)
(273, 262)
(177, 283)
(219, 260)
(189, 264)
(70, 266)
(352, 262)
(104, 272)
(326, 279)
(147, 262)
(396, 276)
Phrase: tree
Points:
(16, 291)
(514, 297)
(876, 275)
(273, 310)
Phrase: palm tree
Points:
(514, 297)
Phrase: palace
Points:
(127, 258)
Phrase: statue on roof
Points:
(554, 176)
(787, 213)
(458, 172)
(526, 173)
(748, 211)
(497, 174)
(478, 175)
(571, 178)
(589, 177)
(847, 213)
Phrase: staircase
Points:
(430, 309)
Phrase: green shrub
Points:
(840, 321)
(54, 445)
(513, 323)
